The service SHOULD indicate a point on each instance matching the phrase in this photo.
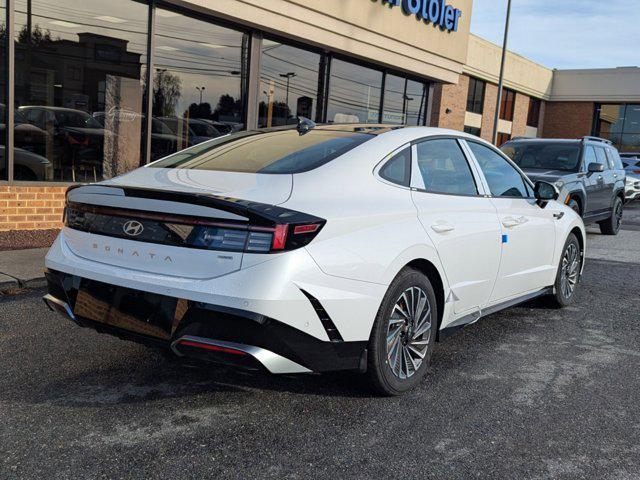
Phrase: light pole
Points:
(288, 76)
(201, 90)
(501, 80)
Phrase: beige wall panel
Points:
(597, 85)
(520, 74)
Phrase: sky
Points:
(565, 33)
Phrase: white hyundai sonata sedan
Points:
(342, 247)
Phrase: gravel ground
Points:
(526, 393)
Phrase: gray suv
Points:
(588, 172)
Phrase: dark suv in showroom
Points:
(588, 172)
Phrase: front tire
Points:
(568, 275)
(403, 334)
(611, 226)
(575, 206)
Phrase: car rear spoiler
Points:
(259, 214)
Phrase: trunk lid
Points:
(256, 187)
(177, 212)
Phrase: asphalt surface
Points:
(527, 393)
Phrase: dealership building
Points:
(90, 89)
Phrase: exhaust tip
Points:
(57, 305)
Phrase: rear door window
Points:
(614, 159)
(444, 169)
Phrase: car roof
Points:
(386, 131)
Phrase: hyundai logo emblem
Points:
(133, 228)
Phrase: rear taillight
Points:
(290, 237)
(637, 172)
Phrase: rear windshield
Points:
(544, 156)
(276, 152)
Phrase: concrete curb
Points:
(7, 283)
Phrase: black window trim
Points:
(470, 163)
(524, 177)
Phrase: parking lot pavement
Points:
(527, 393)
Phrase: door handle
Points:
(510, 222)
(443, 227)
(522, 220)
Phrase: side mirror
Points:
(545, 192)
(595, 168)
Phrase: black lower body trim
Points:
(474, 317)
(158, 320)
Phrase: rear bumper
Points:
(196, 329)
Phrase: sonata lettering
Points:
(133, 253)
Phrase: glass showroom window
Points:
(475, 96)
(507, 105)
(405, 101)
(79, 88)
(197, 82)
(288, 84)
(3, 91)
(621, 125)
(354, 93)
(630, 141)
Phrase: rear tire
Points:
(611, 226)
(403, 334)
(568, 276)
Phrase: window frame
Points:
(528, 183)
(538, 109)
(505, 102)
(417, 182)
(471, 99)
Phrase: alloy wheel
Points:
(570, 270)
(618, 214)
(409, 332)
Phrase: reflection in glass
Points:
(3, 88)
(354, 93)
(198, 78)
(79, 86)
(288, 84)
(621, 125)
(405, 101)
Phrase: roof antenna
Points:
(305, 125)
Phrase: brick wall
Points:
(520, 114)
(568, 119)
(31, 208)
(453, 98)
